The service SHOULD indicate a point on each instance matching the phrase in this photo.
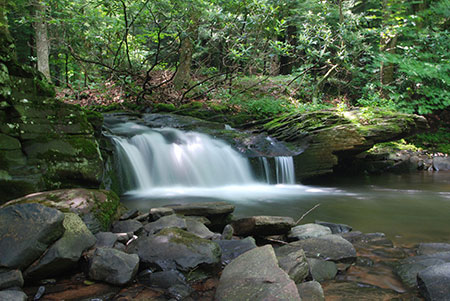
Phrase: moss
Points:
(164, 107)
(108, 210)
(85, 146)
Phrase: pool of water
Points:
(408, 208)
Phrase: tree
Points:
(41, 38)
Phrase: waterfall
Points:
(266, 167)
(285, 170)
(173, 158)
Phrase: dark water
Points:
(408, 208)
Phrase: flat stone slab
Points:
(26, 230)
(126, 226)
(64, 254)
(255, 275)
(174, 248)
(203, 209)
(113, 266)
(263, 225)
(434, 282)
(307, 231)
(328, 247)
(432, 248)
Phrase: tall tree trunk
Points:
(183, 75)
(42, 41)
(286, 61)
(387, 45)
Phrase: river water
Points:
(167, 166)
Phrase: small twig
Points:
(306, 213)
(276, 240)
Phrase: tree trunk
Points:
(286, 61)
(183, 75)
(42, 41)
(387, 44)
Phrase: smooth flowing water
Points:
(167, 166)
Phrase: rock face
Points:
(97, 208)
(262, 225)
(173, 249)
(331, 136)
(434, 282)
(255, 275)
(113, 266)
(65, 252)
(26, 230)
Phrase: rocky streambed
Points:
(82, 244)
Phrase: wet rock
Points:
(127, 226)
(26, 230)
(233, 248)
(441, 163)
(431, 248)
(203, 209)
(132, 213)
(105, 239)
(173, 248)
(371, 239)
(179, 291)
(169, 221)
(227, 232)
(293, 261)
(113, 266)
(263, 225)
(10, 278)
(307, 231)
(411, 266)
(124, 237)
(65, 252)
(328, 247)
(120, 246)
(163, 279)
(255, 275)
(358, 291)
(322, 270)
(156, 213)
(311, 291)
(335, 228)
(434, 282)
(12, 295)
(198, 229)
(97, 208)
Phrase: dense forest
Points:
(258, 57)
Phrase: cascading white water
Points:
(285, 170)
(171, 158)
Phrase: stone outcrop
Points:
(331, 137)
(44, 143)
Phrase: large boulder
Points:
(97, 208)
(441, 163)
(328, 247)
(255, 275)
(293, 261)
(10, 278)
(174, 248)
(127, 226)
(434, 282)
(168, 221)
(64, 254)
(26, 230)
(432, 248)
(113, 266)
(307, 231)
(233, 248)
(13, 295)
(311, 291)
(262, 225)
(322, 270)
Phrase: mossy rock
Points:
(97, 208)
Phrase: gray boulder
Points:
(10, 278)
(163, 279)
(432, 248)
(132, 213)
(105, 239)
(156, 213)
(127, 226)
(233, 248)
(293, 261)
(322, 270)
(174, 248)
(227, 232)
(64, 253)
(113, 266)
(408, 268)
(328, 247)
(12, 295)
(263, 225)
(26, 230)
(434, 282)
(307, 231)
(198, 228)
(441, 163)
(311, 291)
(255, 275)
(169, 221)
